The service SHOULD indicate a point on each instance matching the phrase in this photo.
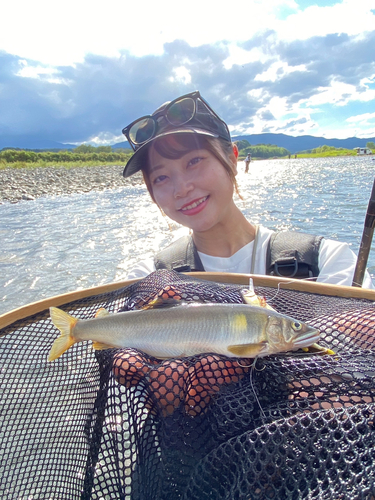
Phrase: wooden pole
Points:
(365, 246)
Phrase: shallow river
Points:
(54, 245)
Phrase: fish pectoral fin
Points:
(100, 313)
(247, 350)
(318, 349)
(99, 346)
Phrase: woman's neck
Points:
(225, 241)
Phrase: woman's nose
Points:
(182, 186)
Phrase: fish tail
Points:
(65, 323)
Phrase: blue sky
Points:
(79, 71)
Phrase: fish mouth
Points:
(306, 339)
(193, 204)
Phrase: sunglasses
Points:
(181, 111)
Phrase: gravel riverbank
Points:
(28, 184)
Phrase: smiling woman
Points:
(189, 164)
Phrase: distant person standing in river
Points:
(189, 165)
(247, 162)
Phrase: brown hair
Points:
(183, 143)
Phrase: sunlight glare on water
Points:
(54, 245)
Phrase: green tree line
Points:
(82, 153)
(328, 151)
(261, 150)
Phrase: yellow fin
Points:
(318, 349)
(100, 313)
(99, 346)
(246, 350)
(161, 302)
(65, 323)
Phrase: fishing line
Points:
(278, 290)
(288, 283)
(253, 368)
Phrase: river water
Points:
(53, 245)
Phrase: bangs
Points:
(176, 146)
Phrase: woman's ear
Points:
(235, 150)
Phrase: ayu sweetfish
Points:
(187, 329)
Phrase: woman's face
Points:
(194, 190)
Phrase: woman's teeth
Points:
(195, 204)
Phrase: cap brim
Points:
(139, 158)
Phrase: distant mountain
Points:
(303, 142)
(292, 144)
(120, 145)
(31, 142)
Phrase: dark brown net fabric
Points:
(119, 424)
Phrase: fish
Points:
(186, 329)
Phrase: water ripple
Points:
(54, 245)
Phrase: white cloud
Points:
(364, 119)
(277, 71)
(47, 73)
(182, 75)
(103, 139)
(340, 94)
(240, 56)
(62, 34)
(352, 17)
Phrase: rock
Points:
(28, 184)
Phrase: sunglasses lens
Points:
(181, 111)
(142, 131)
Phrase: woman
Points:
(189, 165)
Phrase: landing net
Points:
(121, 425)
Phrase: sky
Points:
(79, 71)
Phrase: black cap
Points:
(204, 123)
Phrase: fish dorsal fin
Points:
(247, 350)
(100, 313)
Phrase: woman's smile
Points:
(194, 207)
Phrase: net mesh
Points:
(119, 424)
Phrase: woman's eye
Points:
(195, 160)
(159, 179)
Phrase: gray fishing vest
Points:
(290, 254)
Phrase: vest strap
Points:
(180, 256)
(293, 255)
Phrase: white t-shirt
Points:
(336, 262)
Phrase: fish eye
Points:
(297, 326)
